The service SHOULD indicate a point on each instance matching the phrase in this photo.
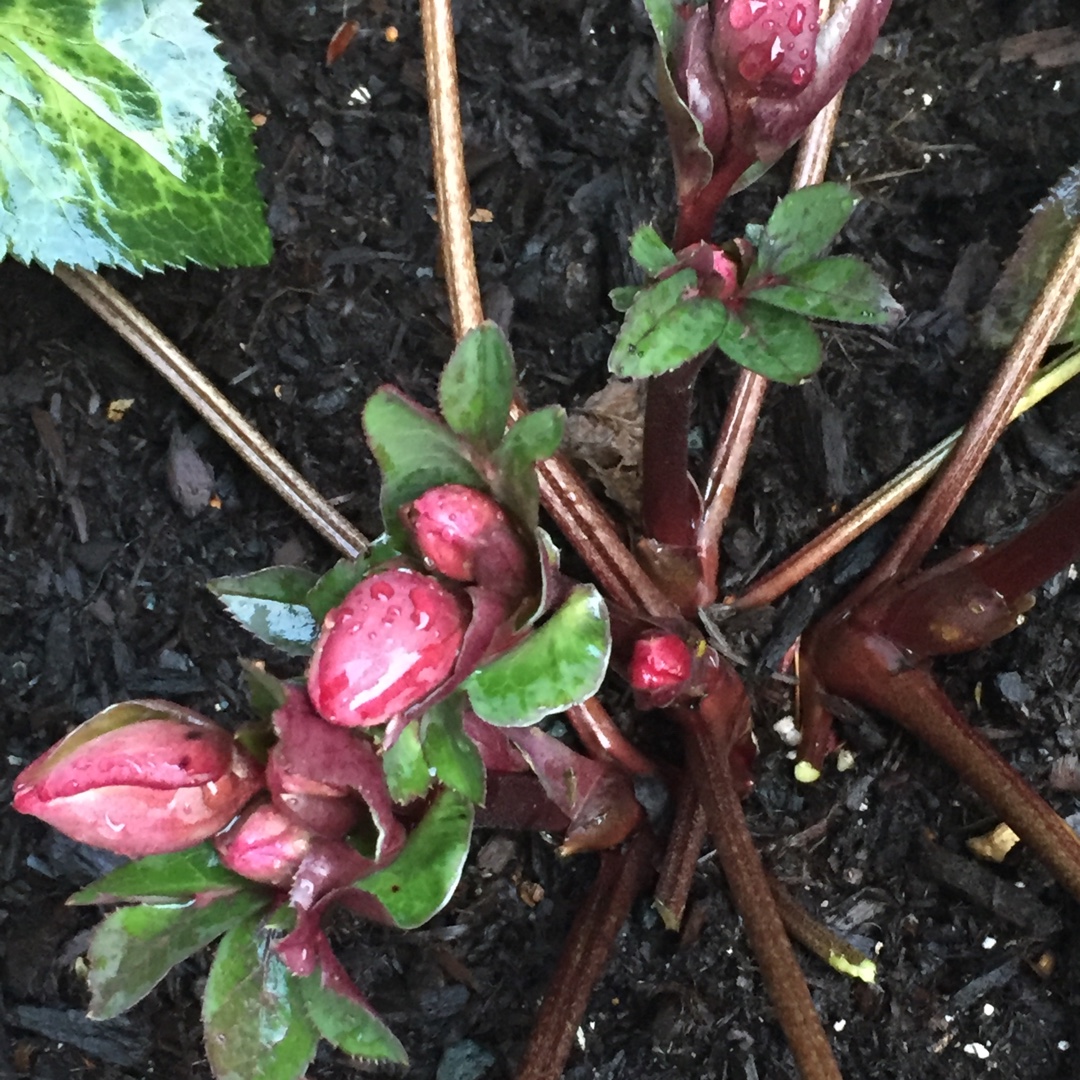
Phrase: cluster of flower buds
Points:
(150, 777)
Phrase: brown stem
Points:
(845, 530)
(621, 878)
(820, 939)
(985, 428)
(729, 458)
(604, 741)
(864, 667)
(214, 408)
(708, 746)
(743, 409)
(451, 184)
(688, 833)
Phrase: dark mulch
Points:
(101, 579)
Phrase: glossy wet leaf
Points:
(451, 753)
(255, 1022)
(415, 451)
(477, 386)
(349, 1022)
(649, 251)
(181, 874)
(840, 288)
(803, 224)
(561, 663)
(664, 328)
(335, 585)
(133, 948)
(121, 139)
(535, 437)
(1041, 243)
(272, 605)
(777, 344)
(406, 771)
(420, 881)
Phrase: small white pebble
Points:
(988, 1009)
(989, 942)
(581, 1038)
(977, 1049)
(1063, 1045)
(845, 760)
(839, 1025)
(787, 731)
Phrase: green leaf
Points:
(1041, 243)
(181, 874)
(335, 585)
(649, 251)
(121, 139)
(803, 224)
(256, 1025)
(663, 330)
(133, 949)
(420, 881)
(777, 344)
(477, 386)
(407, 774)
(415, 451)
(665, 23)
(272, 605)
(451, 753)
(533, 438)
(840, 288)
(558, 665)
(349, 1024)
(622, 297)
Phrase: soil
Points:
(103, 569)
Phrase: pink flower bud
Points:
(467, 536)
(393, 640)
(660, 662)
(322, 808)
(140, 778)
(264, 845)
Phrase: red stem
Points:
(669, 503)
(1033, 556)
(709, 730)
(868, 669)
(688, 833)
(622, 876)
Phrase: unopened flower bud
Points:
(264, 845)
(140, 778)
(660, 662)
(392, 641)
(466, 536)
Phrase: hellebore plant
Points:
(433, 660)
(429, 662)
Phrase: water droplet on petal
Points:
(800, 76)
(797, 19)
(757, 61)
(382, 591)
(744, 12)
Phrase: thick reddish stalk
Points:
(669, 503)
(621, 878)
(1033, 556)
(865, 668)
(709, 730)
